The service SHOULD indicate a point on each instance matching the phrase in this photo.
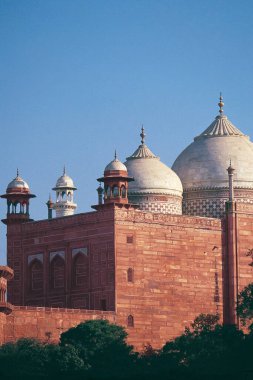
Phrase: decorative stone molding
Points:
(166, 204)
(210, 202)
(75, 220)
(244, 207)
(147, 217)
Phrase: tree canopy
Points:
(245, 304)
(98, 350)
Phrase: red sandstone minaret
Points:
(115, 181)
(231, 259)
(18, 195)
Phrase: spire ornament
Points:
(64, 170)
(221, 104)
(115, 155)
(143, 135)
(17, 172)
(231, 171)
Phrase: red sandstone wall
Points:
(46, 324)
(177, 263)
(244, 239)
(2, 326)
(94, 231)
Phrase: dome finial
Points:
(221, 104)
(64, 170)
(143, 135)
(17, 172)
(115, 155)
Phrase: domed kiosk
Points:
(64, 189)
(116, 181)
(202, 168)
(156, 187)
(18, 196)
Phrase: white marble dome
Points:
(151, 176)
(156, 187)
(64, 181)
(115, 165)
(204, 163)
(202, 168)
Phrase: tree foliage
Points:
(98, 350)
(101, 345)
(31, 359)
(245, 304)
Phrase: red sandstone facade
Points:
(151, 273)
(63, 262)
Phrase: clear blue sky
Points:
(78, 78)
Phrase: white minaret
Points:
(64, 188)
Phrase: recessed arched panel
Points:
(81, 271)
(36, 275)
(115, 191)
(57, 272)
(123, 191)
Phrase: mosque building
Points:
(161, 246)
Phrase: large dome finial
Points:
(221, 104)
(143, 135)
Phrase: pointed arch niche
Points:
(57, 270)
(80, 268)
(35, 272)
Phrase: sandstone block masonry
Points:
(152, 273)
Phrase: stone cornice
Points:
(72, 220)
(137, 216)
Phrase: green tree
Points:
(208, 349)
(26, 357)
(102, 347)
(245, 304)
(31, 359)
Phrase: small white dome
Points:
(115, 165)
(64, 181)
